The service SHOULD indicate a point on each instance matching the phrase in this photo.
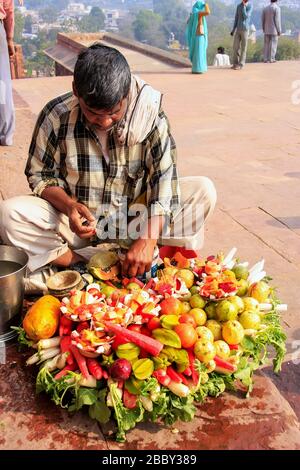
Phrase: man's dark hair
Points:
(273, 1)
(102, 76)
(221, 50)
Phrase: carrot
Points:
(183, 378)
(65, 345)
(81, 361)
(150, 345)
(94, 368)
(224, 365)
(195, 375)
(174, 375)
(65, 370)
(65, 326)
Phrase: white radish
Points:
(147, 403)
(62, 360)
(178, 389)
(268, 307)
(90, 382)
(47, 343)
(42, 355)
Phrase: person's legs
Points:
(273, 47)
(244, 44)
(7, 115)
(198, 199)
(31, 223)
(236, 48)
(267, 45)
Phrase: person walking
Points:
(7, 52)
(240, 32)
(271, 25)
(197, 36)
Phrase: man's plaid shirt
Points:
(65, 152)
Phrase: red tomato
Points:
(145, 331)
(129, 399)
(187, 334)
(189, 319)
(154, 323)
(117, 341)
(136, 328)
(95, 292)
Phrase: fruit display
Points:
(131, 351)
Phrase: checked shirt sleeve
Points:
(43, 164)
(163, 187)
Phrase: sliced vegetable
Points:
(143, 368)
(149, 344)
(167, 337)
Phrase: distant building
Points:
(76, 10)
(111, 20)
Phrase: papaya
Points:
(42, 319)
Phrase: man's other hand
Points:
(81, 221)
(139, 257)
(11, 48)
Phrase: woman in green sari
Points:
(197, 36)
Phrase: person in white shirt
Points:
(221, 59)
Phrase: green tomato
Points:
(196, 301)
(232, 332)
(205, 333)
(215, 327)
(210, 310)
(260, 291)
(237, 302)
(194, 290)
(242, 287)
(132, 286)
(226, 310)
(222, 349)
(250, 320)
(250, 304)
(204, 350)
(240, 271)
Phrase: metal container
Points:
(13, 264)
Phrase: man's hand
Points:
(81, 221)
(21, 3)
(139, 257)
(11, 48)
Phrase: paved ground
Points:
(242, 130)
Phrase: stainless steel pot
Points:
(13, 263)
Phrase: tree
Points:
(148, 28)
(93, 22)
(49, 14)
(19, 26)
(28, 24)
